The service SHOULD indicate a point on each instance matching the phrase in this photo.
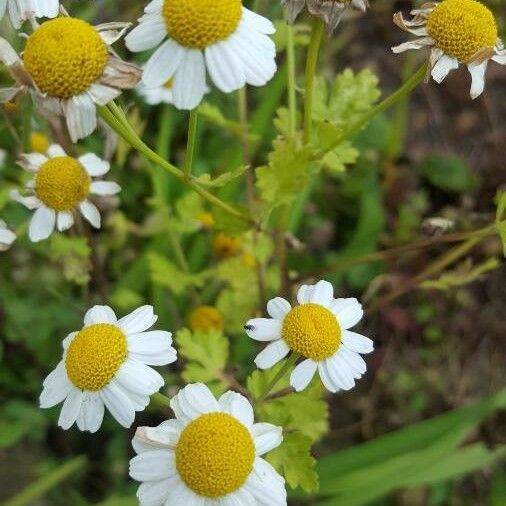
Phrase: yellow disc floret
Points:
(461, 28)
(200, 23)
(65, 56)
(205, 318)
(214, 455)
(312, 331)
(95, 355)
(61, 183)
(39, 142)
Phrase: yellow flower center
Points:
(461, 28)
(312, 331)
(61, 183)
(214, 455)
(205, 318)
(201, 23)
(39, 142)
(225, 246)
(95, 355)
(65, 56)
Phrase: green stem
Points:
(190, 145)
(289, 363)
(160, 400)
(123, 128)
(291, 84)
(38, 488)
(311, 61)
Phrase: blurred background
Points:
(430, 166)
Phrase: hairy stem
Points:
(289, 363)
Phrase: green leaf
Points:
(289, 171)
(164, 273)
(212, 114)
(448, 172)
(294, 461)
(500, 218)
(73, 254)
(222, 179)
(206, 355)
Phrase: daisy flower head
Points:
(317, 329)
(106, 364)
(329, 11)
(69, 68)
(456, 32)
(21, 10)
(210, 454)
(7, 237)
(60, 186)
(220, 36)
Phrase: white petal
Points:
(30, 202)
(272, 354)
(152, 348)
(102, 94)
(266, 485)
(257, 22)
(266, 437)
(355, 362)
(118, 403)
(90, 213)
(238, 406)
(153, 466)
(192, 401)
(138, 321)
(325, 376)
(64, 220)
(442, 67)
(224, 66)
(278, 308)
(99, 314)
(166, 435)
(304, 293)
(105, 188)
(263, 329)
(7, 237)
(150, 32)
(42, 224)
(70, 409)
(303, 374)
(322, 293)
(92, 412)
(348, 312)
(32, 161)
(136, 377)
(66, 342)
(154, 493)
(340, 372)
(189, 86)
(477, 72)
(56, 387)
(94, 165)
(180, 494)
(357, 342)
(81, 116)
(55, 151)
(163, 64)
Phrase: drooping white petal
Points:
(90, 213)
(303, 374)
(189, 85)
(272, 354)
(278, 308)
(56, 387)
(238, 406)
(138, 321)
(99, 314)
(477, 72)
(92, 412)
(81, 116)
(443, 66)
(42, 224)
(263, 329)
(266, 437)
(70, 409)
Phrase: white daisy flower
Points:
(456, 32)
(210, 454)
(7, 237)
(224, 37)
(317, 330)
(106, 364)
(69, 68)
(329, 11)
(61, 185)
(21, 10)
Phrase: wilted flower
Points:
(69, 68)
(456, 32)
(330, 11)
(61, 185)
(224, 37)
(317, 330)
(106, 364)
(20, 10)
(210, 454)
